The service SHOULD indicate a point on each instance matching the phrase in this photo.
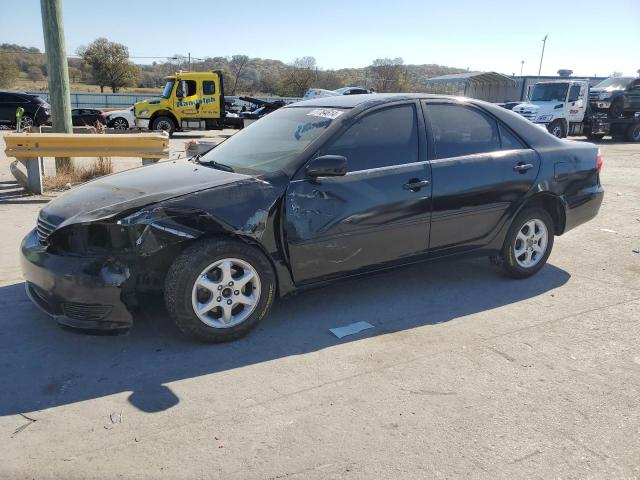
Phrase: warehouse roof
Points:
(473, 77)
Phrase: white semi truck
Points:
(562, 106)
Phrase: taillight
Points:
(599, 161)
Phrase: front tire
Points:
(217, 290)
(528, 243)
(164, 123)
(556, 128)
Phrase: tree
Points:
(299, 76)
(75, 74)
(237, 64)
(110, 64)
(388, 74)
(35, 73)
(8, 70)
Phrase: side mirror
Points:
(327, 166)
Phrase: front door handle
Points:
(415, 184)
(522, 167)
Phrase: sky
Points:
(587, 36)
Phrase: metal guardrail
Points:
(29, 145)
(29, 148)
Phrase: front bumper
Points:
(82, 293)
(142, 123)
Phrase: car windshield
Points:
(547, 92)
(271, 143)
(166, 93)
(615, 83)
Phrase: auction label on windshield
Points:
(326, 113)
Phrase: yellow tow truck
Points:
(190, 100)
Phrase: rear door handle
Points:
(523, 167)
(415, 184)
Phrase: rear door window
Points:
(460, 130)
(380, 139)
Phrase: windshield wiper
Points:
(211, 163)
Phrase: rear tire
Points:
(27, 121)
(119, 123)
(633, 133)
(219, 278)
(164, 123)
(528, 243)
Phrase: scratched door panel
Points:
(364, 220)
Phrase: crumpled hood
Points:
(132, 189)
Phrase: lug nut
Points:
(228, 302)
(231, 284)
(219, 299)
(219, 287)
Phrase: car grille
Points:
(593, 96)
(528, 114)
(85, 312)
(44, 229)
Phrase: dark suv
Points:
(36, 111)
(617, 95)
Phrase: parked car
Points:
(36, 111)
(510, 105)
(121, 119)
(616, 95)
(315, 192)
(320, 92)
(87, 116)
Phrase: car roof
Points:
(531, 133)
(369, 99)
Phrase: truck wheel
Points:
(617, 108)
(528, 243)
(217, 290)
(633, 133)
(164, 123)
(556, 128)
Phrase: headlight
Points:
(142, 113)
(544, 118)
(603, 95)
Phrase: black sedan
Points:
(81, 117)
(317, 191)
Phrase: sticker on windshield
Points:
(326, 113)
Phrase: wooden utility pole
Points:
(57, 71)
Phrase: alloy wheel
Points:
(27, 122)
(120, 124)
(163, 125)
(531, 243)
(226, 293)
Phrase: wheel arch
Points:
(164, 113)
(553, 205)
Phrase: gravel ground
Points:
(465, 373)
